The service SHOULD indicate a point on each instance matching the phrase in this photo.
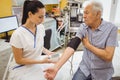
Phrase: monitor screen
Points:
(8, 23)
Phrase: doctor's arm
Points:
(46, 51)
(18, 55)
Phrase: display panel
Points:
(8, 23)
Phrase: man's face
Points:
(89, 15)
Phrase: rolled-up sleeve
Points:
(112, 38)
(16, 41)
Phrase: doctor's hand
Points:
(50, 53)
(47, 60)
(50, 73)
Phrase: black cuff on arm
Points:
(74, 43)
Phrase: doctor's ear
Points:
(29, 14)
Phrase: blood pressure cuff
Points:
(74, 43)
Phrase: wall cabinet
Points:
(20, 2)
(50, 1)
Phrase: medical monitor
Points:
(7, 24)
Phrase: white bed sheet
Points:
(67, 70)
(116, 61)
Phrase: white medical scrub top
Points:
(32, 44)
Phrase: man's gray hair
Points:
(97, 6)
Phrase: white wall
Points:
(19, 2)
(106, 8)
(117, 15)
(111, 10)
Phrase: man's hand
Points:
(86, 42)
(50, 73)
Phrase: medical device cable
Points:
(71, 64)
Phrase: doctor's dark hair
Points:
(30, 6)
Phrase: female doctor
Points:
(27, 44)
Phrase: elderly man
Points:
(99, 38)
